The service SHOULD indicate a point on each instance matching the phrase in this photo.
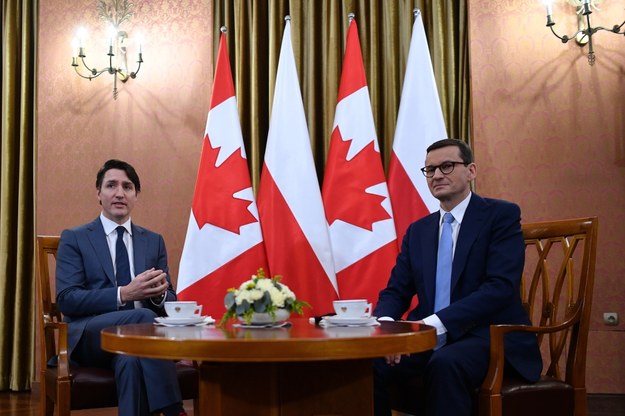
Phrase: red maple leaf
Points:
(344, 195)
(213, 201)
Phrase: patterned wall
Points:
(549, 133)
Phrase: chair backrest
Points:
(46, 247)
(557, 291)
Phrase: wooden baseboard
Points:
(600, 404)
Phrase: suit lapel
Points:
(429, 244)
(139, 245)
(469, 230)
(100, 246)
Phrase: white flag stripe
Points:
(420, 121)
(355, 120)
(219, 129)
(295, 175)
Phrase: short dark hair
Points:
(121, 165)
(465, 151)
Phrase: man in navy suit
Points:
(92, 294)
(487, 255)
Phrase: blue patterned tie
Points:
(443, 265)
(122, 265)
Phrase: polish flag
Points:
(289, 199)
(355, 195)
(419, 123)
(224, 244)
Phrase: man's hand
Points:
(151, 283)
(396, 359)
(393, 359)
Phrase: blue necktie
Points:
(443, 265)
(122, 265)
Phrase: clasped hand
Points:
(151, 283)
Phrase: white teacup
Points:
(183, 309)
(352, 308)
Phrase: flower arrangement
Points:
(260, 294)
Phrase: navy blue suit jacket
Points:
(85, 278)
(485, 284)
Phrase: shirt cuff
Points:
(434, 321)
(441, 331)
(385, 318)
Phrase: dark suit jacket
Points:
(85, 280)
(485, 283)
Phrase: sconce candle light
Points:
(585, 30)
(115, 13)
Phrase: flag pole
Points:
(416, 12)
(351, 16)
(223, 29)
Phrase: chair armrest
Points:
(494, 377)
(61, 351)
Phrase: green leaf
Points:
(229, 300)
(261, 304)
(243, 307)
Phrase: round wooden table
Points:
(298, 370)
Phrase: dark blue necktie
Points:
(443, 265)
(122, 265)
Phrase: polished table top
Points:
(301, 341)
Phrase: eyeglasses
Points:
(446, 168)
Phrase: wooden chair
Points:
(71, 387)
(557, 293)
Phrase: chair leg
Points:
(489, 405)
(581, 402)
(196, 407)
(63, 399)
(46, 405)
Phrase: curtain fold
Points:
(318, 30)
(17, 194)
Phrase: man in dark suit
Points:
(485, 257)
(95, 288)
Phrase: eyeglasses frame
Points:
(432, 169)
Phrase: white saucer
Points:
(358, 320)
(195, 320)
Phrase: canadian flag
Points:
(419, 123)
(355, 195)
(289, 199)
(224, 243)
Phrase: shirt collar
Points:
(110, 226)
(458, 211)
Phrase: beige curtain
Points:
(319, 29)
(17, 194)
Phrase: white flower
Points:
(277, 297)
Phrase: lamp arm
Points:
(563, 38)
(94, 73)
(133, 75)
(617, 29)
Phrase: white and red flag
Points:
(289, 199)
(224, 243)
(419, 123)
(355, 195)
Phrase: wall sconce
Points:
(585, 30)
(115, 13)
